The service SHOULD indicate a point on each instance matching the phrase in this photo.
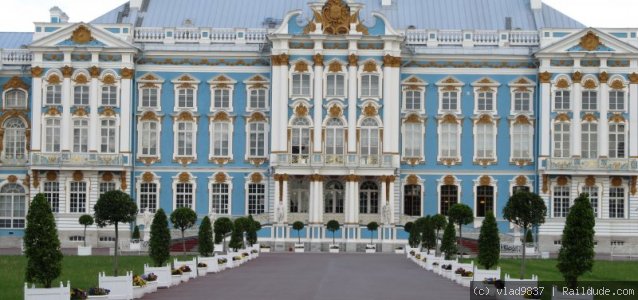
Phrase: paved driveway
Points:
(321, 276)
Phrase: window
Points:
(185, 138)
(52, 135)
(412, 140)
(484, 200)
(412, 100)
(221, 98)
(81, 135)
(592, 193)
(220, 139)
(107, 132)
(450, 101)
(149, 97)
(81, 95)
(53, 95)
(448, 139)
(617, 243)
(589, 140)
(51, 190)
(369, 143)
(15, 145)
(412, 200)
(369, 198)
(76, 238)
(301, 84)
(485, 101)
(521, 141)
(485, 141)
(335, 141)
(299, 195)
(616, 202)
(616, 140)
(12, 206)
(590, 100)
(300, 143)
(185, 98)
(106, 186)
(256, 198)
(148, 197)
(15, 99)
(333, 198)
(257, 139)
(561, 201)
(107, 239)
(370, 85)
(149, 139)
(77, 197)
(184, 195)
(616, 100)
(449, 197)
(561, 100)
(109, 95)
(522, 102)
(561, 139)
(258, 98)
(335, 85)
(219, 198)
(521, 188)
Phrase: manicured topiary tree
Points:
(372, 227)
(333, 226)
(205, 236)
(414, 234)
(460, 214)
(115, 207)
(576, 254)
(298, 226)
(183, 218)
(223, 226)
(419, 227)
(237, 236)
(251, 231)
(85, 220)
(489, 242)
(136, 233)
(526, 210)
(160, 241)
(41, 244)
(428, 234)
(448, 244)
(438, 222)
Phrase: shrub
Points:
(489, 242)
(428, 234)
(251, 230)
(460, 214)
(183, 218)
(112, 208)
(223, 226)
(159, 244)
(438, 222)
(205, 237)
(85, 220)
(448, 245)
(576, 255)
(41, 244)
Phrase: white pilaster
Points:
(603, 124)
(352, 108)
(545, 134)
(125, 115)
(36, 116)
(391, 109)
(575, 137)
(312, 206)
(275, 131)
(391, 201)
(318, 98)
(66, 134)
(283, 107)
(633, 119)
(93, 115)
(319, 202)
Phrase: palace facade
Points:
(355, 111)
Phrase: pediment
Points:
(589, 40)
(81, 35)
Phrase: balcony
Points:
(79, 160)
(335, 160)
(15, 56)
(610, 165)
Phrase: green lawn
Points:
(80, 270)
(547, 271)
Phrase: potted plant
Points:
(151, 282)
(333, 226)
(221, 263)
(98, 293)
(186, 272)
(85, 220)
(372, 227)
(78, 294)
(264, 248)
(202, 268)
(138, 286)
(399, 250)
(176, 277)
(298, 226)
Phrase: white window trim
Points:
(626, 208)
(439, 156)
(413, 83)
(4, 98)
(229, 182)
(450, 84)
(226, 83)
(67, 195)
(175, 139)
(192, 180)
(254, 83)
(159, 139)
(580, 139)
(494, 184)
(194, 85)
(482, 86)
(361, 73)
(231, 128)
(494, 125)
(343, 73)
(138, 188)
(420, 182)
(3, 140)
(310, 72)
(554, 89)
(517, 86)
(45, 97)
(266, 138)
(44, 133)
(530, 140)
(116, 84)
(552, 131)
(248, 181)
(625, 91)
(553, 185)
(117, 134)
(439, 183)
(88, 130)
(145, 84)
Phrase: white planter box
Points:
(102, 297)
(299, 248)
(399, 251)
(138, 292)
(186, 276)
(201, 271)
(59, 293)
(163, 275)
(558, 295)
(151, 286)
(84, 251)
(176, 280)
(135, 246)
(121, 287)
(264, 250)
(371, 248)
(530, 250)
(480, 274)
(211, 262)
(333, 250)
(192, 264)
(465, 281)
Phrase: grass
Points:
(82, 271)
(547, 271)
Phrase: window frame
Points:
(441, 197)
(257, 83)
(185, 83)
(249, 132)
(409, 140)
(565, 143)
(143, 135)
(193, 194)
(485, 143)
(176, 136)
(229, 138)
(456, 140)
(564, 198)
(222, 83)
(416, 206)
(13, 218)
(617, 141)
(5, 97)
(591, 143)
(18, 142)
(264, 196)
(292, 92)
(83, 134)
(149, 81)
(141, 194)
(117, 95)
(514, 141)
(478, 196)
(70, 192)
(115, 136)
(48, 136)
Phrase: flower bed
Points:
(163, 275)
(191, 264)
(176, 277)
(121, 287)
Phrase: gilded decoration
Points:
(53, 111)
(391, 61)
(26, 181)
(54, 79)
(150, 77)
(52, 176)
(334, 67)
(148, 160)
(148, 177)
(220, 178)
(449, 180)
(590, 41)
(81, 79)
(617, 118)
(185, 116)
(449, 119)
(633, 78)
(12, 179)
(370, 66)
(316, 177)
(107, 176)
(413, 118)
(412, 160)
(485, 119)
(123, 180)
(545, 184)
(36, 179)
(280, 60)
(522, 119)
(561, 180)
(15, 83)
(257, 161)
(81, 35)
(369, 110)
(301, 66)
(67, 72)
(257, 117)
(521, 180)
(616, 181)
(185, 177)
(80, 112)
(184, 160)
(523, 162)
(256, 178)
(335, 111)
(281, 177)
(633, 189)
(108, 79)
(562, 117)
(78, 175)
(149, 116)
(352, 178)
(590, 180)
(617, 85)
(317, 59)
(334, 17)
(36, 71)
(353, 60)
(562, 83)
(589, 117)
(94, 71)
(485, 180)
(545, 77)
(108, 112)
(577, 77)
(220, 160)
(412, 180)
(127, 73)
(221, 117)
(301, 110)
(603, 76)
(589, 84)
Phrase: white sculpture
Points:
(147, 219)
(280, 213)
(387, 214)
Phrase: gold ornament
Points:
(127, 73)
(369, 110)
(52, 175)
(562, 83)
(36, 71)
(616, 181)
(256, 178)
(412, 180)
(353, 60)
(370, 66)
(107, 176)
(318, 59)
(545, 77)
(633, 78)
(335, 111)
(301, 66)
(577, 77)
(67, 71)
(12, 178)
(590, 41)
(15, 83)
(617, 85)
(94, 71)
(78, 175)
(603, 77)
(334, 67)
(81, 35)
(301, 110)
(148, 177)
(184, 177)
(449, 180)
(485, 180)
(590, 180)
(335, 17)
(220, 178)
(561, 180)
(521, 180)
(589, 84)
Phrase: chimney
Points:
(536, 4)
(58, 16)
(508, 23)
(135, 4)
(386, 2)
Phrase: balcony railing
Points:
(579, 164)
(16, 56)
(334, 160)
(471, 38)
(199, 35)
(80, 159)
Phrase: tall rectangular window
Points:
(257, 139)
(77, 197)
(616, 202)
(258, 98)
(561, 139)
(485, 141)
(221, 98)
(149, 97)
(560, 201)
(106, 186)
(589, 140)
(186, 98)
(450, 101)
(485, 101)
(412, 140)
(562, 100)
(592, 193)
(521, 141)
(184, 195)
(185, 138)
(484, 200)
(448, 140)
(412, 100)
(522, 102)
(219, 198)
(109, 95)
(220, 139)
(81, 135)
(51, 191)
(108, 132)
(256, 198)
(149, 137)
(81, 95)
(53, 95)
(616, 100)
(52, 135)
(301, 84)
(370, 85)
(335, 85)
(412, 200)
(616, 140)
(148, 197)
(449, 197)
(590, 100)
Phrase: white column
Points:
(546, 123)
(66, 134)
(575, 136)
(633, 120)
(603, 124)
(93, 115)
(391, 200)
(283, 106)
(352, 108)
(351, 206)
(319, 202)
(318, 97)
(390, 109)
(275, 131)
(36, 116)
(312, 199)
(125, 114)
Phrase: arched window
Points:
(616, 140)
(589, 140)
(299, 195)
(149, 138)
(561, 139)
(412, 200)
(333, 198)
(15, 98)
(300, 143)
(369, 198)
(449, 196)
(369, 143)
(14, 140)
(12, 206)
(335, 141)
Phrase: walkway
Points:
(320, 276)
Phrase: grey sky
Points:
(19, 15)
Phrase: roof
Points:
(422, 14)
(14, 40)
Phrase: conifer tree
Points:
(205, 237)
(160, 241)
(41, 244)
(489, 242)
(448, 244)
(576, 254)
